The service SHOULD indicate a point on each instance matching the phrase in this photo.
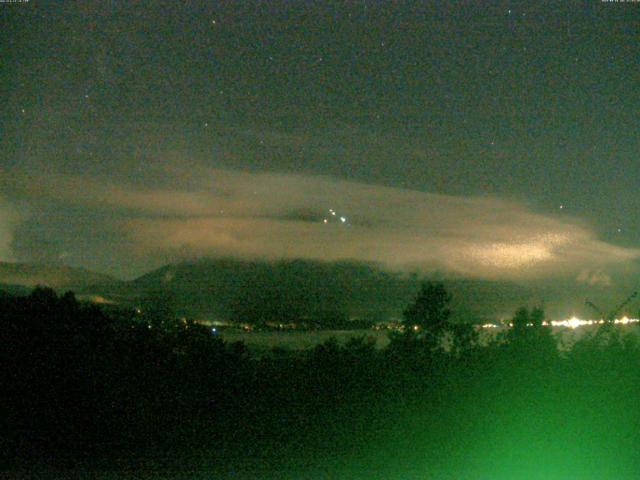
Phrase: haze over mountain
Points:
(55, 276)
(227, 288)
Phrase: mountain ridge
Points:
(224, 288)
(55, 276)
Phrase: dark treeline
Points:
(82, 387)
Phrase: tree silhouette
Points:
(429, 311)
(527, 324)
(519, 323)
(529, 334)
(464, 337)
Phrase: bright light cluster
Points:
(574, 322)
(333, 213)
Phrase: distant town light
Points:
(574, 322)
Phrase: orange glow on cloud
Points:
(261, 215)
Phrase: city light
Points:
(573, 323)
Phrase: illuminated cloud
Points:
(594, 278)
(260, 215)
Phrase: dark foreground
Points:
(91, 395)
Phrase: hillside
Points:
(228, 288)
(222, 288)
(54, 276)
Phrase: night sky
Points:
(487, 139)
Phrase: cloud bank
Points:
(274, 216)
